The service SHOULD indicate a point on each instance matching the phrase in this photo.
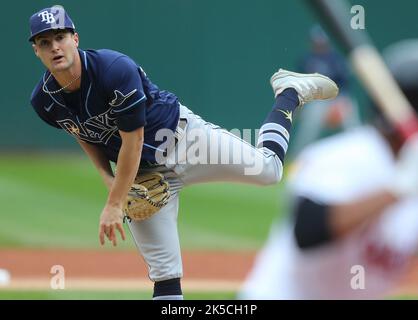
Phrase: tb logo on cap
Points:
(47, 17)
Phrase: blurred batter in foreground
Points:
(353, 228)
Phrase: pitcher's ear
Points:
(35, 49)
(76, 38)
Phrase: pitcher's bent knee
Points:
(270, 175)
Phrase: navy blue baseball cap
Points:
(49, 19)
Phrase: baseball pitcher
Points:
(108, 104)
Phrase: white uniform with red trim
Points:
(339, 169)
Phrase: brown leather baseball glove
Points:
(149, 193)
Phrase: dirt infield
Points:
(123, 264)
(106, 269)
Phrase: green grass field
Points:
(56, 201)
(104, 295)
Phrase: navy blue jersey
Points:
(115, 95)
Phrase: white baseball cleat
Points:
(309, 86)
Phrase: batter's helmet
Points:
(402, 60)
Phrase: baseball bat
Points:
(368, 65)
